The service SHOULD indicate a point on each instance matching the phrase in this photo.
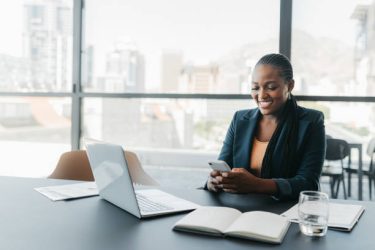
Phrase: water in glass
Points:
(313, 212)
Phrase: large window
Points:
(164, 78)
(176, 46)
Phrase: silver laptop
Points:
(115, 185)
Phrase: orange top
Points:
(257, 155)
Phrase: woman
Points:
(277, 148)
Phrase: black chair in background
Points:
(337, 150)
(370, 172)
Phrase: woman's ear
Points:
(290, 85)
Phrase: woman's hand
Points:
(239, 180)
(212, 183)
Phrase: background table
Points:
(31, 221)
(357, 146)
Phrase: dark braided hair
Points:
(288, 121)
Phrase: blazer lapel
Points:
(278, 153)
(243, 144)
(303, 128)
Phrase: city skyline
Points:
(233, 64)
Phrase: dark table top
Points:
(31, 221)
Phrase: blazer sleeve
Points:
(226, 153)
(311, 163)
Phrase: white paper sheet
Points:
(341, 216)
(70, 191)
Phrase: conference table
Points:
(29, 220)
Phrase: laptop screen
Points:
(112, 175)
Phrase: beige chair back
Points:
(139, 176)
(74, 165)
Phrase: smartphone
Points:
(219, 165)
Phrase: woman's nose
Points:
(262, 94)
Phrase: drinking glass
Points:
(313, 212)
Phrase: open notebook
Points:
(225, 221)
(341, 216)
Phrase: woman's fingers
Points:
(212, 186)
(215, 181)
(229, 176)
(214, 173)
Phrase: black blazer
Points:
(310, 149)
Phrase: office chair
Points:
(74, 165)
(337, 150)
(370, 172)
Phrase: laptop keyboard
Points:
(146, 205)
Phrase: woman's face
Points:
(269, 90)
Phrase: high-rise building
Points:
(125, 69)
(48, 44)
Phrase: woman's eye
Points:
(271, 88)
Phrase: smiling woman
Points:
(277, 148)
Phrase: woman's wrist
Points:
(266, 186)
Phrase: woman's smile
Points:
(264, 104)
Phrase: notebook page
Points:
(209, 219)
(260, 225)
